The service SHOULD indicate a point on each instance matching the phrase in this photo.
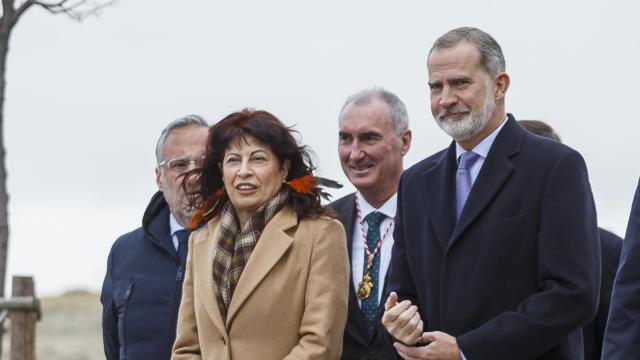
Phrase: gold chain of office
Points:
(366, 285)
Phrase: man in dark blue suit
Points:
(496, 240)
(622, 336)
(610, 248)
(374, 136)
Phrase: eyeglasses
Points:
(180, 165)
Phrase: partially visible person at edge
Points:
(374, 136)
(142, 288)
(622, 335)
(268, 273)
(496, 239)
(610, 248)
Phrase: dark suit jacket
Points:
(518, 275)
(356, 341)
(622, 337)
(593, 332)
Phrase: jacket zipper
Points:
(180, 274)
(177, 296)
(127, 296)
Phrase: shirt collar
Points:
(174, 225)
(483, 146)
(388, 208)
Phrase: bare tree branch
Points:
(25, 5)
(7, 9)
(78, 10)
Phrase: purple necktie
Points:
(463, 180)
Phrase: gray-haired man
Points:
(374, 136)
(483, 226)
(142, 288)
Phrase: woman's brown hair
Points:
(209, 195)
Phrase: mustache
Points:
(451, 111)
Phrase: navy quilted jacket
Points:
(142, 289)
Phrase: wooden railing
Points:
(23, 309)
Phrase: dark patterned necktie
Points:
(183, 245)
(369, 305)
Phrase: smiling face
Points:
(464, 99)
(252, 175)
(370, 150)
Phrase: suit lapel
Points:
(272, 245)
(203, 264)
(439, 185)
(495, 171)
(347, 214)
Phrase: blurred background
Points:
(86, 102)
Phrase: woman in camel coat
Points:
(290, 299)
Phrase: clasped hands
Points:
(402, 320)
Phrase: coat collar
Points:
(272, 245)
(203, 249)
(347, 215)
(439, 182)
(495, 171)
(439, 187)
(155, 223)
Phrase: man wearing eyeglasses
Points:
(143, 285)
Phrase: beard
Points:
(472, 124)
(183, 214)
(179, 207)
(178, 202)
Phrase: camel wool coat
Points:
(290, 302)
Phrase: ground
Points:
(69, 328)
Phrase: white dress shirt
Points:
(174, 226)
(481, 149)
(357, 248)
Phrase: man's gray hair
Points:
(397, 110)
(491, 56)
(176, 124)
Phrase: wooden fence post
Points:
(23, 322)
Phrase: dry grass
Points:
(69, 329)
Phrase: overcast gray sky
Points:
(86, 101)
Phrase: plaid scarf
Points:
(234, 247)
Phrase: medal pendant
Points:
(365, 286)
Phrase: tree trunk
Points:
(5, 32)
(4, 223)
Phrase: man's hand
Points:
(440, 346)
(402, 320)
